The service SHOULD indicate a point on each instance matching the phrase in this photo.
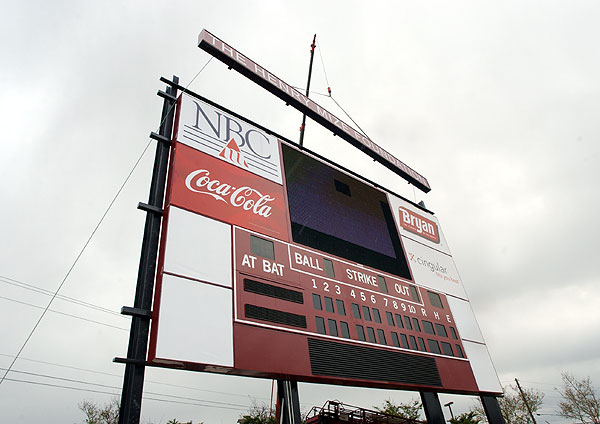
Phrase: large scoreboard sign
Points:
(276, 264)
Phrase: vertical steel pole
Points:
(312, 55)
(289, 402)
(433, 408)
(133, 380)
(492, 409)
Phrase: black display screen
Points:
(338, 214)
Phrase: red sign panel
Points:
(211, 187)
(419, 225)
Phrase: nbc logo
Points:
(231, 152)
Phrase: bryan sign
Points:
(418, 224)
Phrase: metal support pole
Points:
(433, 408)
(289, 403)
(492, 409)
(133, 380)
(312, 55)
(525, 401)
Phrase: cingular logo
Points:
(245, 197)
(418, 224)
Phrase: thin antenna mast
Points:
(312, 55)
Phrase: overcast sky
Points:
(497, 104)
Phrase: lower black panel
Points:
(365, 363)
(273, 315)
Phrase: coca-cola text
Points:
(246, 197)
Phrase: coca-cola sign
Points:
(245, 197)
(212, 187)
(418, 224)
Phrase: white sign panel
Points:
(198, 247)
(195, 322)
(433, 269)
(483, 368)
(228, 138)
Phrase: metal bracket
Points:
(139, 362)
(160, 138)
(149, 208)
(136, 312)
(166, 96)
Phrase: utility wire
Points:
(63, 366)
(90, 238)
(63, 313)
(121, 376)
(71, 380)
(38, 289)
(79, 389)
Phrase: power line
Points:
(64, 366)
(120, 376)
(58, 385)
(38, 289)
(79, 389)
(554, 385)
(61, 313)
(71, 380)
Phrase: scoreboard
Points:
(275, 263)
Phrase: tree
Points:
(106, 414)
(410, 410)
(580, 401)
(471, 417)
(109, 413)
(513, 408)
(258, 414)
